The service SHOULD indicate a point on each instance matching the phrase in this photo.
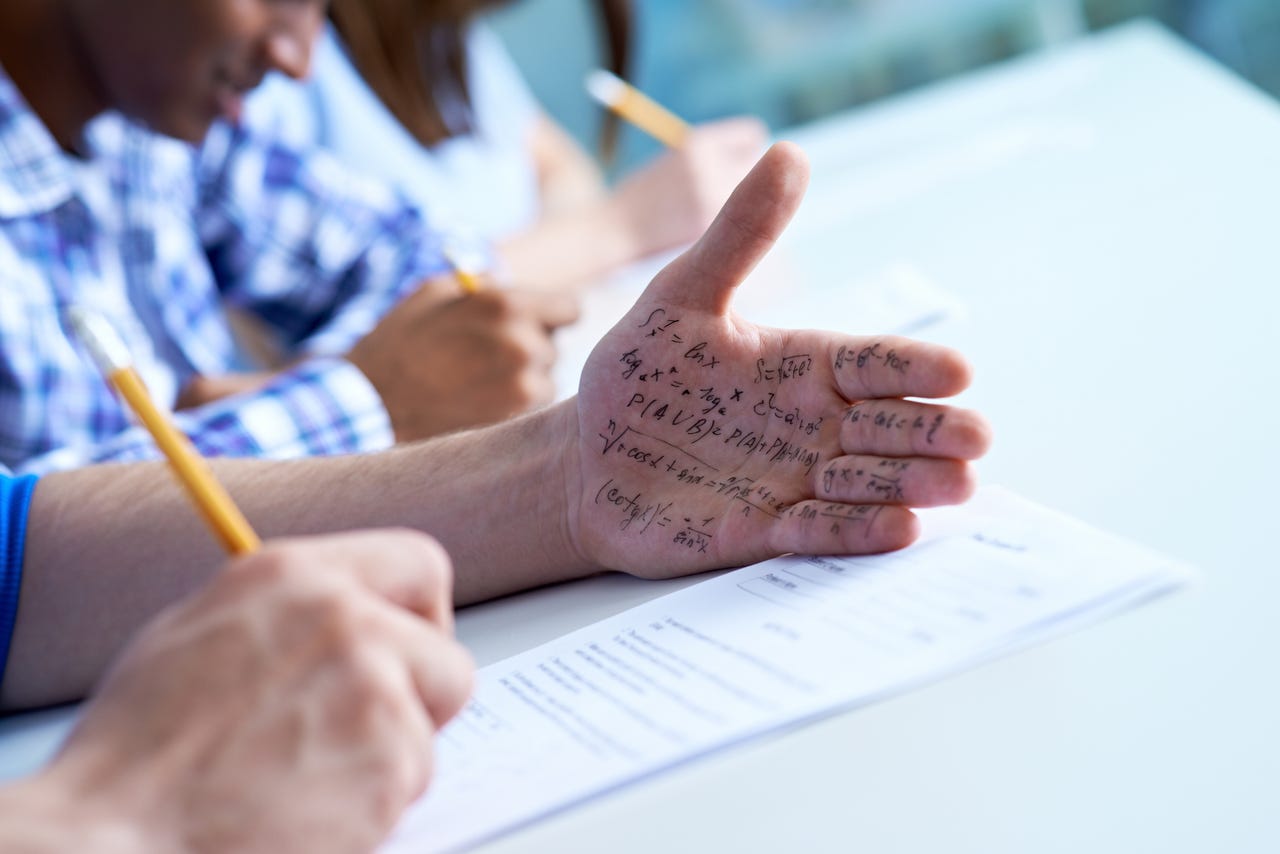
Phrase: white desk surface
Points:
(1108, 214)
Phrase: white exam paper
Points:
(761, 648)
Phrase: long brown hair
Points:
(412, 54)
(614, 20)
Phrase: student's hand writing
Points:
(707, 441)
(672, 200)
(474, 359)
(290, 706)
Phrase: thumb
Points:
(743, 232)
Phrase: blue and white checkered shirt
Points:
(159, 237)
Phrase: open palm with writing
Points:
(707, 441)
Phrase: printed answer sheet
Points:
(761, 648)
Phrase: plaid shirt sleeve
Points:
(322, 406)
(316, 251)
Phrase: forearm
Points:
(109, 546)
(495, 497)
(569, 180)
(570, 248)
(581, 232)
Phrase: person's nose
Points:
(292, 38)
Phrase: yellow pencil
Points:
(193, 472)
(469, 280)
(638, 108)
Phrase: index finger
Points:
(407, 568)
(891, 366)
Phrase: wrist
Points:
(509, 520)
(51, 812)
(622, 227)
(559, 475)
(544, 477)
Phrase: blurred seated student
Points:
(193, 738)
(290, 705)
(116, 194)
(419, 93)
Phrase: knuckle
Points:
(463, 679)
(370, 694)
(496, 305)
(395, 787)
(433, 560)
(564, 308)
(433, 552)
(529, 390)
(336, 622)
(865, 430)
(274, 565)
(448, 678)
(518, 357)
(411, 771)
(524, 386)
(544, 389)
(411, 539)
(382, 717)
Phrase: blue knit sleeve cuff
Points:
(15, 498)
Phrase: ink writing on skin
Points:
(877, 353)
(886, 417)
(687, 422)
(881, 479)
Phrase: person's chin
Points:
(189, 127)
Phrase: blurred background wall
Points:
(792, 61)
